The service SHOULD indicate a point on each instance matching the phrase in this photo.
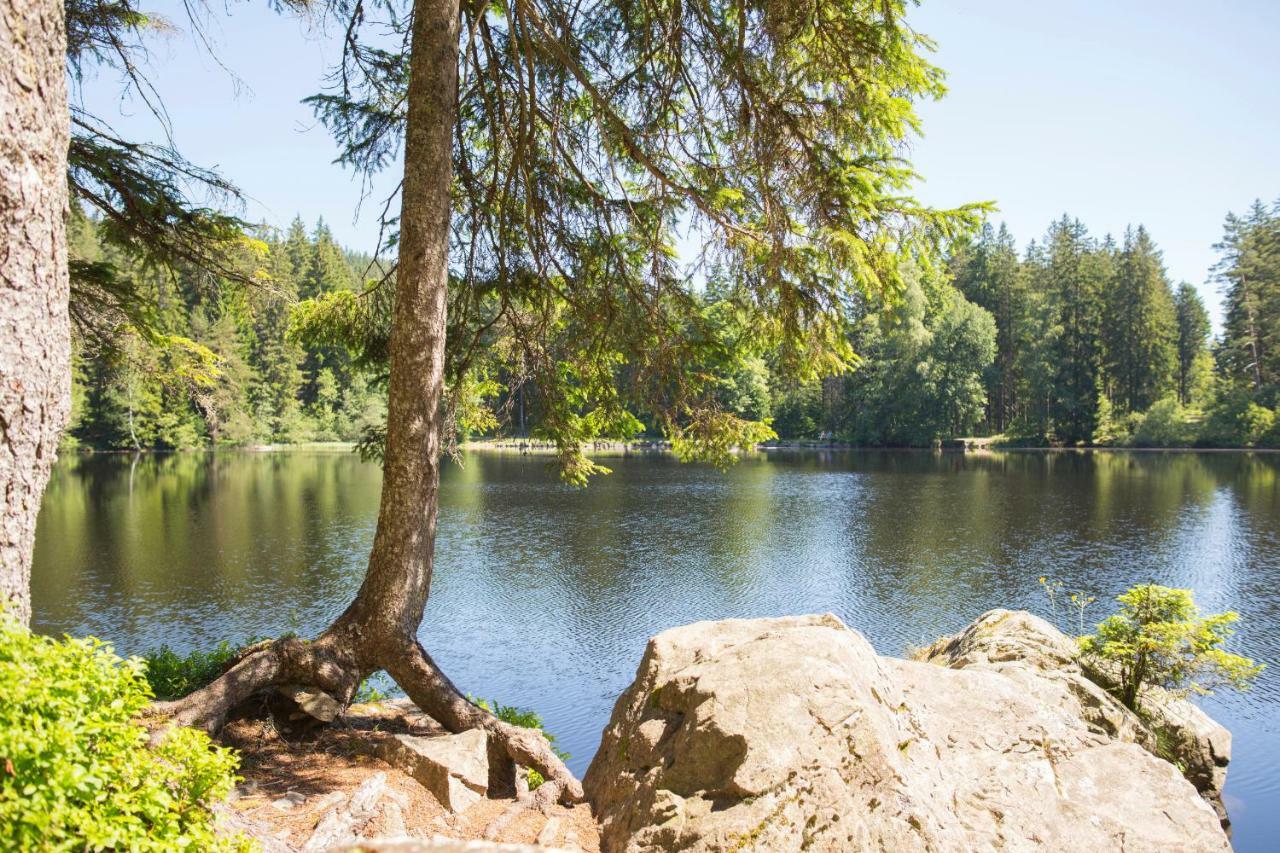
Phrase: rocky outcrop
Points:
(1034, 653)
(790, 734)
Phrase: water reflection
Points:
(545, 595)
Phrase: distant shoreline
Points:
(958, 446)
(529, 447)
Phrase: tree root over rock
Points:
(337, 662)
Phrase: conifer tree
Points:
(1249, 272)
(1193, 341)
(549, 153)
(1073, 275)
(1140, 326)
(989, 274)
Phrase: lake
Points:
(545, 595)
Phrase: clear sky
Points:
(1161, 112)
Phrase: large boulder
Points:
(1037, 655)
(791, 733)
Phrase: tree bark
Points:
(379, 629)
(35, 334)
(394, 592)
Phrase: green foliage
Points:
(219, 366)
(1236, 420)
(988, 273)
(77, 772)
(713, 436)
(1194, 363)
(1159, 639)
(979, 344)
(1074, 274)
(172, 676)
(1249, 273)
(367, 692)
(525, 719)
(1166, 424)
(1140, 332)
(1061, 601)
(570, 197)
(799, 409)
(922, 376)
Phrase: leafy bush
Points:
(75, 769)
(1165, 424)
(1237, 420)
(368, 692)
(1114, 428)
(173, 676)
(1160, 639)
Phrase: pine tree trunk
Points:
(1255, 349)
(35, 336)
(395, 586)
(379, 629)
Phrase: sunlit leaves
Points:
(590, 138)
(77, 773)
(1159, 639)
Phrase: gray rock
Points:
(789, 734)
(454, 768)
(290, 801)
(1033, 652)
(315, 703)
(341, 824)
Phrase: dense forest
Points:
(215, 363)
(1076, 340)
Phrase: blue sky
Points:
(1161, 112)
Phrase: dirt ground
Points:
(295, 770)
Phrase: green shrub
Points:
(1237, 420)
(75, 769)
(1160, 639)
(173, 676)
(1114, 428)
(1165, 424)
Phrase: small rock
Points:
(454, 768)
(550, 830)
(393, 825)
(315, 703)
(342, 823)
(290, 801)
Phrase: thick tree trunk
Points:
(391, 600)
(379, 629)
(35, 336)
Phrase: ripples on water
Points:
(544, 595)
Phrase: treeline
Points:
(1091, 344)
(1077, 340)
(214, 364)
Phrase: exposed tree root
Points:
(286, 661)
(328, 663)
(432, 691)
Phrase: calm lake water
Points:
(544, 595)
